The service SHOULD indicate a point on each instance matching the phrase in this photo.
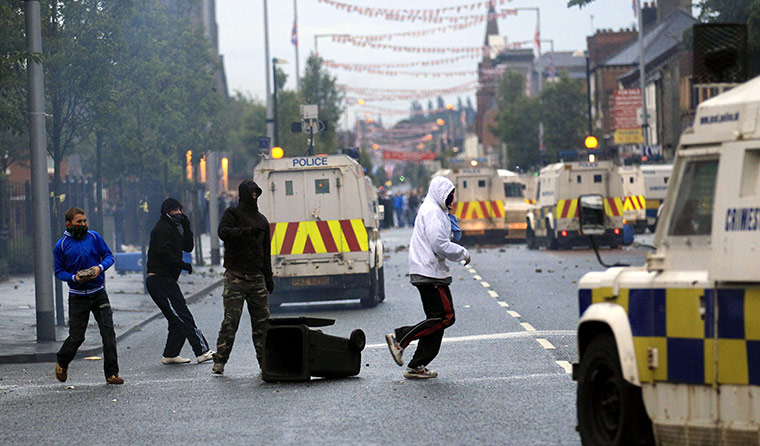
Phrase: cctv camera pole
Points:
(43, 261)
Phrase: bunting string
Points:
(413, 15)
(474, 50)
(419, 63)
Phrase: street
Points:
(503, 371)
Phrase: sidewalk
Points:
(131, 309)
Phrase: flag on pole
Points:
(537, 39)
(635, 8)
(294, 34)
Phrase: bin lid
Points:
(302, 320)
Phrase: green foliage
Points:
(560, 107)
(737, 11)
(318, 87)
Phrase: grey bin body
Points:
(295, 352)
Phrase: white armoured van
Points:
(669, 352)
(323, 214)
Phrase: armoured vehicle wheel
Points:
(381, 283)
(371, 299)
(610, 410)
(530, 238)
(551, 238)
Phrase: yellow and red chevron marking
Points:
(613, 207)
(469, 210)
(567, 209)
(310, 237)
(530, 201)
(635, 202)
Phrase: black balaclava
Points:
(244, 191)
(169, 205)
(450, 198)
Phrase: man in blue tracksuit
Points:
(81, 258)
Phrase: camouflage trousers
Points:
(238, 289)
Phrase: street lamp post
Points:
(584, 54)
(317, 36)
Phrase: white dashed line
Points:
(527, 326)
(545, 344)
(472, 271)
(503, 304)
(566, 365)
(486, 284)
(513, 313)
(477, 277)
(493, 293)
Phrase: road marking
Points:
(493, 293)
(486, 284)
(503, 304)
(513, 313)
(545, 344)
(477, 277)
(527, 326)
(495, 336)
(566, 365)
(472, 271)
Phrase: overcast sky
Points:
(241, 39)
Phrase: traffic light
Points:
(591, 142)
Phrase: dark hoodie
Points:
(245, 232)
(167, 244)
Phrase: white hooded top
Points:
(431, 246)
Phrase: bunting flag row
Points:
(423, 15)
(475, 21)
(420, 73)
(407, 112)
(476, 50)
(429, 92)
(419, 63)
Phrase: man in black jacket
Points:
(164, 267)
(245, 232)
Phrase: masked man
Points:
(81, 257)
(248, 275)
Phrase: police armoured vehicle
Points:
(669, 352)
(323, 213)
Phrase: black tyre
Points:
(381, 283)
(610, 410)
(551, 238)
(530, 237)
(357, 340)
(371, 299)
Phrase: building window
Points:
(288, 187)
(481, 183)
(597, 178)
(578, 179)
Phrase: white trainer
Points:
(395, 348)
(419, 373)
(174, 360)
(208, 356)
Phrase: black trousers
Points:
(166, 294)
(439, 311)
(79, 316)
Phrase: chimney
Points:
(665, 7)
(649, 16)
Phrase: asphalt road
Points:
(503, 371)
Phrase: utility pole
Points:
(270, 120)
(212, 183)
(295, 32)
(43, 260)
(642, 78)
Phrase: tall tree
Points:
(563, 113)
(517, 122)
(319, 87)
(12, 85)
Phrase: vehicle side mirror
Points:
(591, 214)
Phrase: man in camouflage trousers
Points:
(248, 275)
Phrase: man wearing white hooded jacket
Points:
(429, 249)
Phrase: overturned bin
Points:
(294, 352)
